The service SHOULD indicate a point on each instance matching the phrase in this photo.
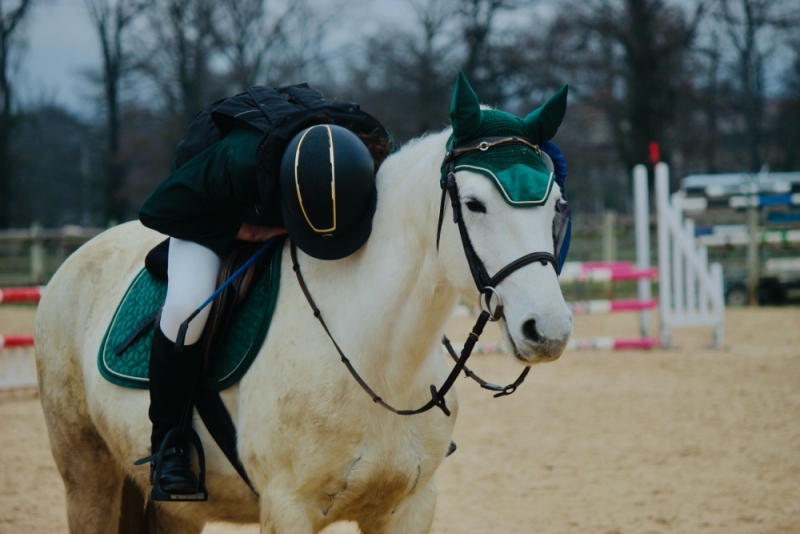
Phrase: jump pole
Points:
(8, 341)
(9, 295)
(641, 199)
(17, 367)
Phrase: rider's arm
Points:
(201, 200)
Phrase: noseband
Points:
(486, 287)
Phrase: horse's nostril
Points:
(530, 332)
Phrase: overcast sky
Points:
(61, 44)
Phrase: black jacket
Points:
(226, 166)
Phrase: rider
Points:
(280, 158)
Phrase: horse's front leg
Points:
(412, 516)
(282, 515)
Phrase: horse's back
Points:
(84, 287)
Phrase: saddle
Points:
(224, 309)
(228, 302)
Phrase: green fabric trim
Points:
(246, 334)
(131, 375)
(519, 185)
(518, 172)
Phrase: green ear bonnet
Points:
(516, 169)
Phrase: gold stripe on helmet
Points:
(333, 179)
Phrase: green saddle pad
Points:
(146, 294)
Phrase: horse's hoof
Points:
(451, 449)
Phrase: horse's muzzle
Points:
(541, 340)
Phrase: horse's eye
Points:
(477, 207)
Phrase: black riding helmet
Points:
(327, 182)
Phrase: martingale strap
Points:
(437, 396)
(486, 286)
(501, 391)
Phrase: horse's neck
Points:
(391, 297)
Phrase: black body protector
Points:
(280, 113)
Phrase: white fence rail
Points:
(36, 241)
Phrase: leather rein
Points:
(486, 286)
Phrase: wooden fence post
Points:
(37, 254)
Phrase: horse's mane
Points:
(379, 145)
(415, 164)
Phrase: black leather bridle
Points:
(486, 286)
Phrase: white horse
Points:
(315, 446)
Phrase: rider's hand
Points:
(255, 233)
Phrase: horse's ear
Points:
(465, 109)
(543, 122)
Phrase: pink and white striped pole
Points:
(606, 274)
(614, 343)
(607, 343)
(21, 294)
(584, 307)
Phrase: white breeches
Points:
(192, 275)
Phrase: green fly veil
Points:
(517, 170)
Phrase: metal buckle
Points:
(497, 314)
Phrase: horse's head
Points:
(509, 204)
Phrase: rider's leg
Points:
(192, 278)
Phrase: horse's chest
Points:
(372, 486)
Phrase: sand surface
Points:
(689, 440)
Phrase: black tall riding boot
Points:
(172, 376)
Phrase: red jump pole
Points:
(21, 294)
(16, 340)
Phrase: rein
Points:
(486, 286)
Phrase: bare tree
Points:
(788, 129)
(628, 57)
(112, 21)
(252, 33)
(407, 76)
(709, 95)
(299, 51)
(10, 21)
(482, 64)
(177, 58)
(751, 26)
